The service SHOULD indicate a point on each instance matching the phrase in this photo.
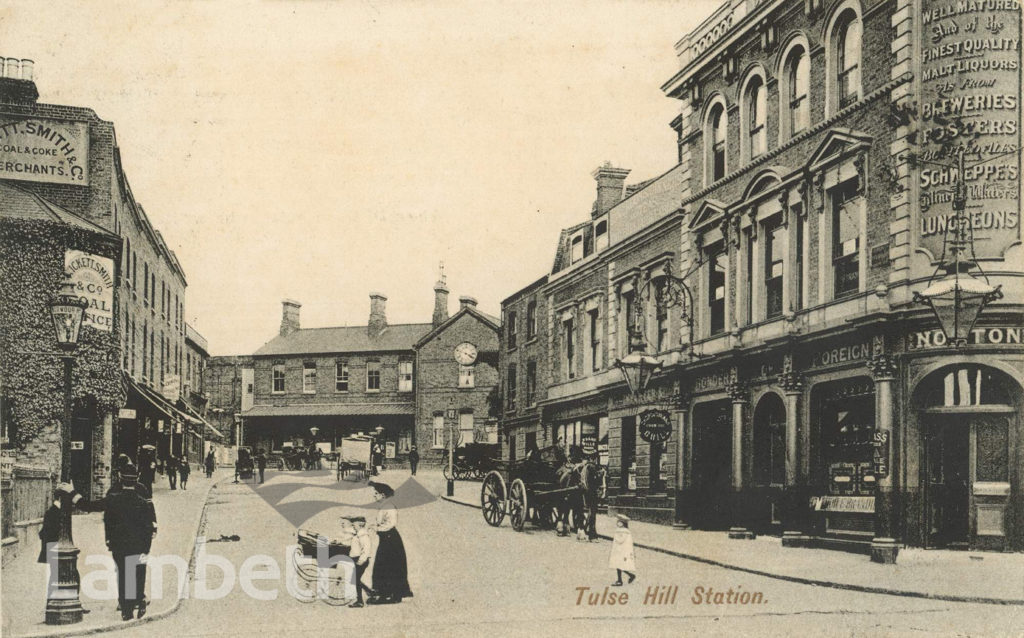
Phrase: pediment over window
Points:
(707, 213)
(838, 143)
(765, 180)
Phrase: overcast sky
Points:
(322, 150)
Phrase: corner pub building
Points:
(809, 395)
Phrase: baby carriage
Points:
(324, 570)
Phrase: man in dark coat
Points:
(147, 469)
(211, 462)
(184, 469)
(172, 472)
(414, 459)
(261, 463)
(130, 524)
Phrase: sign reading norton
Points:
(45, 151)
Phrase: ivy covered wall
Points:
(31, 271)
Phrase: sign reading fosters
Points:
(655, 426)
(970, 94)
(45, 151)
(93, 277)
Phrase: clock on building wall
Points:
(465, 353)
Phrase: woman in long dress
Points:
(390, 571)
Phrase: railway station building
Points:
(802, 391)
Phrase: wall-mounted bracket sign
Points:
(655, 426)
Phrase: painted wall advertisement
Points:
(93, 277)
(51, 151)
(970, 105)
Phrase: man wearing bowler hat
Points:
(130, 524)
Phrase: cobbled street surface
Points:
(471, 579)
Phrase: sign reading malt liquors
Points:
(970, 105)
(655, 426)
(51, 151)
(93, 277)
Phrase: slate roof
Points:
(345, 339)
(494, 322)
(16, 203)
(332, 409)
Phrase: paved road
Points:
(470, 579)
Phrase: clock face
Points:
(465, 353)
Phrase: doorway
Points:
(947, 442)
(712, 465)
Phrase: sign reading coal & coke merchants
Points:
(93, 277)
(655, 426)
(45, 151)
(970, 106)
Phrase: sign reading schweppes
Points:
(655, 426)
(51, 151)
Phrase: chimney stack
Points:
(16, 83)
(466, 301)
(610, 181)
(440, 303)
(289, 317)
(378, 318)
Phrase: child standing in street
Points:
(622, 558)
(360, 553)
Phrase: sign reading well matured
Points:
(93, 277)
(971, 92)
(45, 151)
(655, 426)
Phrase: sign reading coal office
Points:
(655, 426)
(970, 105)
(45, 151)
(93, 277)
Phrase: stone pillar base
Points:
(741, 533)
(793, 539)
(680, 526)
(884, 550)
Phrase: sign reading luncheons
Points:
(93, 277)
(51, 151)
(970, 105)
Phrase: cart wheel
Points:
(307, 575)
(517, 505)
(492, 499)
(447, 475)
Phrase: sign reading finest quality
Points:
(93, 277)
(655, 426)
(45, 151)
(971, 91)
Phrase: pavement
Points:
(179, 514)
(959, 576)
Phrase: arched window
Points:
(847, 43)
(715, 132)
(757, 107)
(798, 79)
(576, 249)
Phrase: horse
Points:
(589, 479)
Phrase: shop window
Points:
(773, 269)
(628, 468)
(511, 330)
(770, 441)
(657, 469)
(341, 376)
(466, 435)
(438, 440)
(845, 240)
(847, 422)
(309, 377)
(718, 260)
(467, 376)
(373, 376)
(405, 376)
(531, 320)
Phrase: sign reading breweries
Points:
(970, 105)
(93, 277)
(45, 151)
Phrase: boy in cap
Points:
(360, 552)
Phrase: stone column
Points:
(738, 393)
(883, 547)
(682, 404)
(792, 387)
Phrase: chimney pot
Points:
(289, 317)
(466, 301)
(26, 69)
(610, 181)
(440, 304)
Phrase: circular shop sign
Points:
(655, 426)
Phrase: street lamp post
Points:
(450, 417)
(63, 606)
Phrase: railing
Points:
(26, 496)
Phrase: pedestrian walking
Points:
(359, 551)
(172, 471)
(414, 459)
(261, 463)
(211, 462)
(390, 571)
(130, 524)
(184, 469)
(147, 467)
(622, 558)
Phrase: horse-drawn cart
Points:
(544, 489)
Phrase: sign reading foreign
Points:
(50, 151)
(971, 91)
(93, 277)
(655, 426)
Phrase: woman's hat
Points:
(382, 488)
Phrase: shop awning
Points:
(153, 398)
(332, 409)
(200, 419)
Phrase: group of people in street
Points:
(178, 470)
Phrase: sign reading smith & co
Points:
(50, 151)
